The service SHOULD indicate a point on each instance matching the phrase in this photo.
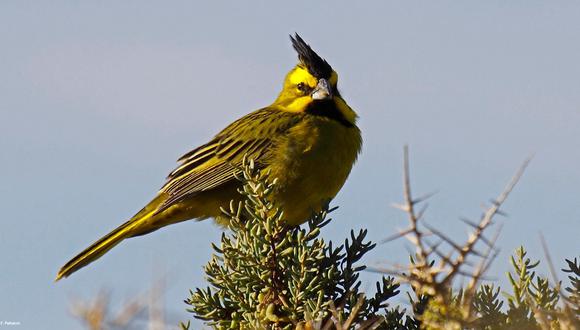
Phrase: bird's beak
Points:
(322, 90)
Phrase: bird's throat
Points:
(329, 109)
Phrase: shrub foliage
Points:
(266, 275)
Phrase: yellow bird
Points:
(307, 139)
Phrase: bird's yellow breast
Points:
(312, 163)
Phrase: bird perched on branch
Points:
(307, 139)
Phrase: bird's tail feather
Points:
(97, 249)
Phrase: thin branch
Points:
(487, 217)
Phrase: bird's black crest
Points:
(315, 64)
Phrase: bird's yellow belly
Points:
(312, 165)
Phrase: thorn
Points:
(401, 207)
(445, 238)
(433, 247)
(476, 253)
(422, 212)
(502, 213)
(469, 222)
(423, 198)
(396, 236)
(486, 241)
(446, 258)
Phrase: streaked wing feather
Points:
(216, 162)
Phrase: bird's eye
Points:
(302, 87)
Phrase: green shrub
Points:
(266, 275)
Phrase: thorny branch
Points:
(435, 280)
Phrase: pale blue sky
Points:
(98, 100)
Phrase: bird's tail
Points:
(97, 249)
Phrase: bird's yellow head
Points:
(311, 87)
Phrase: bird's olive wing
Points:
(216, 163)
